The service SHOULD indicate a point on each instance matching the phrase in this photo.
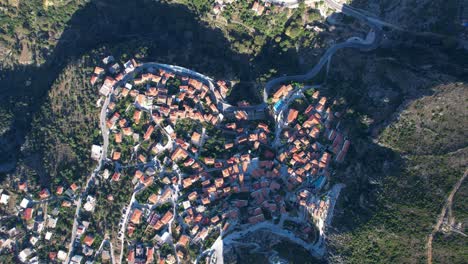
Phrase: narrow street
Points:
(105, 135)
(356, 43)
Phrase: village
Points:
(190, 172)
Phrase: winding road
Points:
(371, 42)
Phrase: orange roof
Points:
(73, 187)
(241, 115)
(153, 198)
(282, 91)
(131, 256)
(314, 132)
(264, 127)
(142, 158)
(316, 95)
(141, 99)
(184, 239)
(228, 145)
(292, 115)
(205, 200)
(52, 255)
(98, 70)
(88, 240)
(149, 254)
(138, 174)
(137, 116)
(93, 79)
(148, 133)
(116, 176)
(125, 92)
(118, 138)
(179, 153)
(193, 195)
(136, 216)
(127, 131)
(323, 100)
(166, 194)
(27, 214)
(22, 186)
(44, 193)
(195, 84)
(215, 219)
(209, 161)
(167, 217)
(196, 138)
(116, 155)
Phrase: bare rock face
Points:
(14, 3)
(26, 56)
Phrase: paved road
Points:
(105, 135)
(364, 45)
(102, 159)
(370, 43)
(124, 225)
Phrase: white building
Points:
(61, 255)
(24, 254)
(24, 203)
(4, 199)
(48, 235)
(33, 240)
(51, 222)
(96, 152)
(90, 203)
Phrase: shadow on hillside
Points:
(376, 85)
(168, 31)
(173, 31)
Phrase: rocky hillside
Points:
(407, 106)
(425, 15)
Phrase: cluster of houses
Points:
(244, 185)
(263, 7)
(315, 207)
(247, 181)
(151, 96)
(157, 110)
(209, 194)
(306, 152)
(214, 179)
(257, 6)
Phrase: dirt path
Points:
(440, 219)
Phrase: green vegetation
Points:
(208, 242)
(431, 125)
(214, 145)
(172, 86)
(143, 196)
(65, 142)
(391, 224)
(35, 24)
(186, 127)
(456, 243)
(166, 249)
